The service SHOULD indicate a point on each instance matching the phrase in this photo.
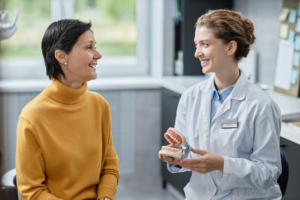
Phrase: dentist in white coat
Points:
(232, 125)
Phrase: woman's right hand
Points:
(171, 160)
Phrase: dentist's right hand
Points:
(171, 160)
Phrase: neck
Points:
(70, 83)
(226, 77)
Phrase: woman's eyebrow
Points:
(205, 40)
(91, 42)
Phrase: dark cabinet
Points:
(170, 101)
(292, 151)
(191, 11)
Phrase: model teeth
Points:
(168, 147)
(173, 138)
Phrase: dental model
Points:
(174, 149)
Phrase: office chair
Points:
(284, 176)
(9, 185)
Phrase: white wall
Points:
(264, 15)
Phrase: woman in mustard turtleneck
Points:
(64, 143)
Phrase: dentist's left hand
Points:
(207, 162)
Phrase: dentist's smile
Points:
(204, 62)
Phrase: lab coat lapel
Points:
(204, 123)
(225, 107)
(238, 93)
(204, 126)
(206, 106)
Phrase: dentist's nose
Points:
(198, 53)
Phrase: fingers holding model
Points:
(174, 151)
(207, 162)
(173, 154)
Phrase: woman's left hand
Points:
(207, 162)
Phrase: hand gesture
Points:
(207, 162)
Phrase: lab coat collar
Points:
(207, 87)
(239, 91)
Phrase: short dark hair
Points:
(61, 35)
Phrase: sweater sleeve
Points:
(109, 177)
(30, 165)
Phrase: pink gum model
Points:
(174, 137)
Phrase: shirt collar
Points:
(239, 91)
(222, 94)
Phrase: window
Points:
(21, 54)
(119, 26)
(113, 24)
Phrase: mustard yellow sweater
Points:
(64, 146)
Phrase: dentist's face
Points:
(211, 51)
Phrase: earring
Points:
(65, 63)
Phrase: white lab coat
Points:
(251, 152)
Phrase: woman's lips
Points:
(204, 62)
(93, 66)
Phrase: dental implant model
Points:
(175, 148)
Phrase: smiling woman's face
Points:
(211, 51)
(82, 60)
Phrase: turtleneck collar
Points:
(64, 94)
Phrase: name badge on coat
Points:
(229, 123)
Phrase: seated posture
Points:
(232, 125)
(64, 143)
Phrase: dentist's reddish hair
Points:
(230, 26)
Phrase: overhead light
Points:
(7, 26)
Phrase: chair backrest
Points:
(8, 186)
(284, 176)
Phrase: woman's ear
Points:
(232, 47)
(61, 57)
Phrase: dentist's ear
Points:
(61, 57)
(232, 47)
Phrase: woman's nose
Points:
(97, 55)
(198, 53)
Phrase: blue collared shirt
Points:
(217, 98)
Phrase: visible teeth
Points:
(92, 66)
(174, 139)
(203, 62)
(171, 139)
(168, 147)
